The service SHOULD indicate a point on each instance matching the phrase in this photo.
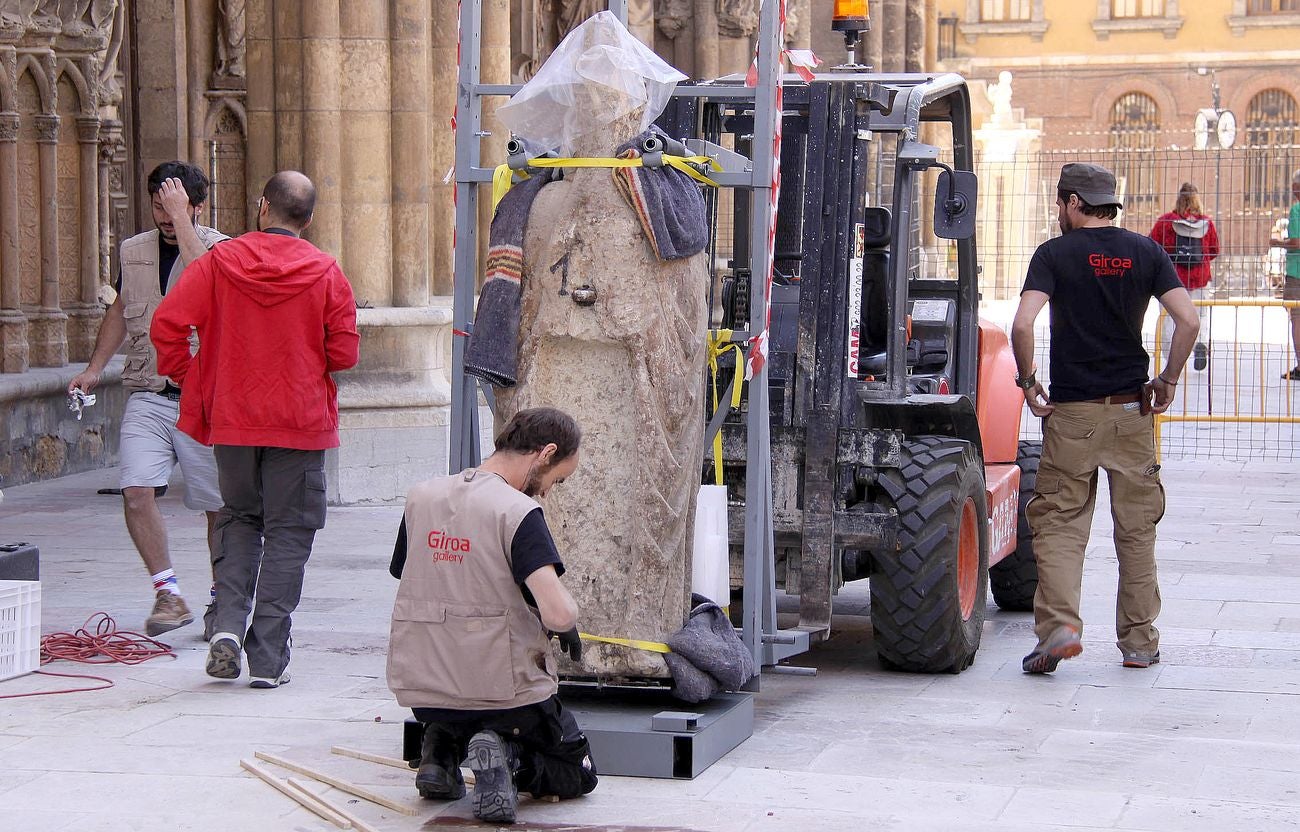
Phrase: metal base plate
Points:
(639, 732)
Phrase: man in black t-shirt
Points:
(469, 650)
(1099, 280)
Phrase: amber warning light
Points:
(850, 16)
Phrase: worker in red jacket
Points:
(1191, 241)
(275, 316)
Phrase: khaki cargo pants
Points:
(1078, 439)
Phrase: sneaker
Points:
(492, 760)
(1293, 374)
(223, 656)
(267, 682)
(1142, 660)
(169, 612)
(1200, 356)
(1062, 644)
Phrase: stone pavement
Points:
(1208, 740)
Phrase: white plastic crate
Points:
(20, 628)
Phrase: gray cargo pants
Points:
(274, 501)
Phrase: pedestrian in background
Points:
(275, 316)
(151, 446)
(1291, 289)
(1099, 280)
(1190, 239)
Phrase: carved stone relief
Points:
(737, 18)
(230, 41)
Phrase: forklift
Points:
(875, 434)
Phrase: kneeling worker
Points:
(469, 649)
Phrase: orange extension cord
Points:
(105, 645)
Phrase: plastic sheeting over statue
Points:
(617, 337)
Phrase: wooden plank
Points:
(342, 785)
(389, 761)
(357, 823)
(308, 801)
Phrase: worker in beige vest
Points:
(151, 447)
(480, 596)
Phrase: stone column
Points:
(365, 106)
(48, 331)
(914, 55)
(893, 35)
(321, 92)
(13, 323)
(442, 144)
(260, 105)
(289, 71)
(705, 31)
(410, 151)
(84, 317)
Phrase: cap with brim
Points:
(1093, 183)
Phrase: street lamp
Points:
(1219, 122)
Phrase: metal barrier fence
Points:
(1238, 406)
(1245, 190)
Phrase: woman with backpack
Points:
(1192, 242)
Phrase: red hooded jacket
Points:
(275, 316)
(1164, 233)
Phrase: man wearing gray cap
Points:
(1099, 280)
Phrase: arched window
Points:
(1271, 136)
(1134, 131)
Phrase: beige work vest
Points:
(140, 297)
(462, 636)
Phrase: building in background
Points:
(1161, 91)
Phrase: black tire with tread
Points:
(915, 604)
(1014, 579)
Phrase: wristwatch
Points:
(1028, 382)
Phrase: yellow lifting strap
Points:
(637, 644)
(502, 177)
(719, 344)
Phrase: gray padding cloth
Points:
(668, 203)
(492, 350)
(707, 654)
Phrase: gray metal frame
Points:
(759, 631)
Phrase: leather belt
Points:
(1118, 398)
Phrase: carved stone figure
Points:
(737, 18)
(1000, 97)
(629, 366)
(230, 39)
(569, 13)
(671, 16)
(17, 14)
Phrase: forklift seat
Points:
(875, 291)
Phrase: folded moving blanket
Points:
(668, 203)
(707, 654)
(492, 351)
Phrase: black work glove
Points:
(570, 643)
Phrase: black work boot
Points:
(493, 761)
(439, 776)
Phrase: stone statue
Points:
(230, 39)
(569, 13)
(672, 16)
(1000, 97)
(16, 14)
(737, 18)
(617, 338)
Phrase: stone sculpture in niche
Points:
(230, 39)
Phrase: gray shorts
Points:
(152, 446)
(1291, 291)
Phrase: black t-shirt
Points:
(1100, 281)
(532, 548)
(167, 254)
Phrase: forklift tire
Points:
(1014, 579)
(928, 599)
